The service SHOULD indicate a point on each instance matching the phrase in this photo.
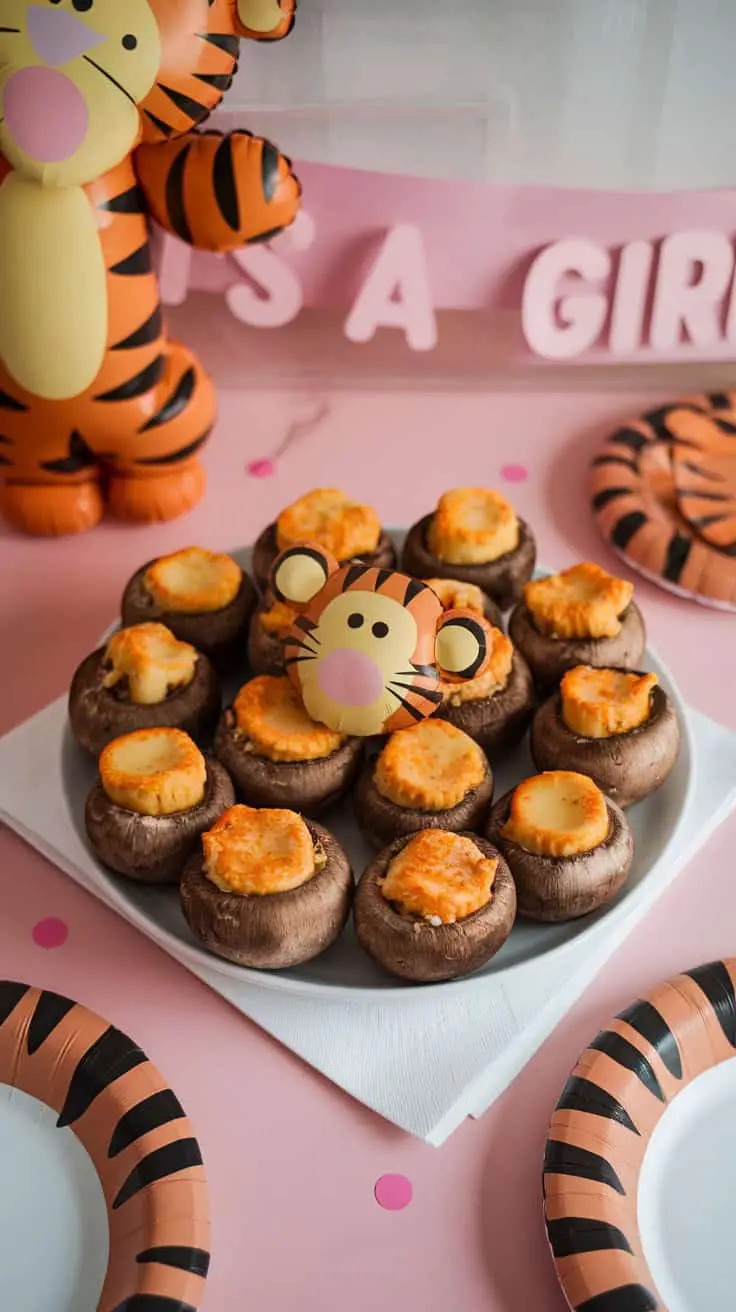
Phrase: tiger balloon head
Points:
(83, 81)
(369, 646)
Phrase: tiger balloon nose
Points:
(369, 646)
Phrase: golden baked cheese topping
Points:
(154, 772)
(441, 877)
(473, 526)
(277, 619)
(581, 602)
(558, 813)
(193, 581)
(456, 595)
(333, 521)
(429, 767)
(492, 680)
(600, 703)
(251, 851)
(270, 714)
(152, 661)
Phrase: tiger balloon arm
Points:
(217, 192)
(263, 20)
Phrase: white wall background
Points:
(608, 93)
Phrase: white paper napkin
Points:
(424, 1064)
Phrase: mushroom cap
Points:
(563, 888)
(266, 551)
(276, 930)
(625, 766)
(549, 658)
(501, 579)
(265, 650)
(154, 849)
(220, 634)
(381, 820)
(413, 949)
(499, 722)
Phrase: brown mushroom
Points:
(499, 721)
(265, 639)
(548, 658)
(501, 579)
(626, 765)
(414, 948)
(272, 931)
(152, 848)
(266, 551)
(554, 888)
(101, 708)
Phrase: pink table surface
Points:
(292, 1161)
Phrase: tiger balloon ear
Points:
(263, 20)
(463, 646)
(299, 573)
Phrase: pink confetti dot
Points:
(50, 933)
(394, 1192)
(515, 473)
(262, 468)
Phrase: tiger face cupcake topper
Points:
(369, 646)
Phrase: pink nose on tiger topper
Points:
(350, 678)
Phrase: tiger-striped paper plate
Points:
(663, 492)
(77, 1073)
(649, 1090)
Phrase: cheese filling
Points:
(492, 680)
(270, 714)
(431, 766)
(152, 661)
(601, 703)
(557, 814)
(456, 595)
(581, 602)
(153, 772)
(260, 852)
(440, 877)
(193, 581)
(473, 526)
(330, 519)
(277, 620)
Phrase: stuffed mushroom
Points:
(268, 889)
(269, 627)
(435, 905)
(474, 535)
(617, 726)
(327, 517)
(203, 597)
(431, 776)
(582, 616)
(142, 679)
(496, 707)
(277, 755)
(155, 795)
(569, 848)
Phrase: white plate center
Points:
(54, 1238)
(686, 1196)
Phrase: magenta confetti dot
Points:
(262, 468)
(515, 473)
(50, 933)
(393, 1192)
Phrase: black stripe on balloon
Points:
(131, 201)
(631, 438)
(568, 1159)
(706, 496)
(150, 331)
(408, 706)
(413, 589)
(137, 386)
(581, 1095)
(627, 527)
(178, 401)
(159, 1165)
(269, 170)
(354, 572)
(49, 1012)
(266, 236)
(175, 204)
(9, 403)
(5, 441)
(194, 1260)
(218, 81)
(626, 1055)
(702, 473)
(678, 553)
(302, 621)
(616, 460)
(174, 457)
(223, 41)
(721, 400)
(165, 128)
(10, 995)
(570, 1235)
(135, 264)
(429, 694)
(607, 494)
(5, 460)
(717, 985)
(626, 1298)
(193, 109)
(110, 1056)
(154, 1303)
(647, 1021)
(723, 426)
(159, 1109)
(226, 190)
(80, 457)
(382, 577)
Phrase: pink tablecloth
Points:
(292, 1162)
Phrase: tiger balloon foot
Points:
(46, 510)
(156, 499)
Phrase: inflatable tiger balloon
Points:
(99, 105)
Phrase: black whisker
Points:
(431, 694)
(10, 29)
(295, 660)
(428, 671)
(110, 78)
(294, 642)
(413, 710)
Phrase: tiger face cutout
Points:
(369, 646)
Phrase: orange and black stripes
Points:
(599, 1133)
